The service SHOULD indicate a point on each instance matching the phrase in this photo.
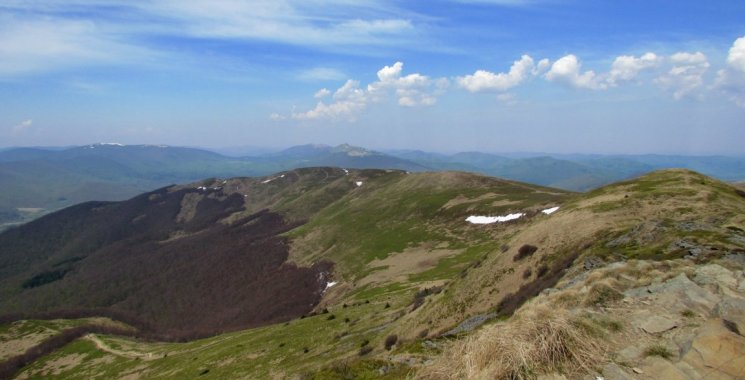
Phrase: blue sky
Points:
(444, 75)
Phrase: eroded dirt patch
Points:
(398, 266)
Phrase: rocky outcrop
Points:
(696, 326)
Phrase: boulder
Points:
(733, 310)
(678, 294)
(717, 351)
(715, 274)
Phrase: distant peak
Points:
(353, 151)
(101, 144)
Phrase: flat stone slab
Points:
(613, 371)
(658, 324)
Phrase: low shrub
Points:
(526, 250)
(390, 340)
(527, 273)
(658, 350)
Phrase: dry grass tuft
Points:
(539, 341)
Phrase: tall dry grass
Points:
(537, 341)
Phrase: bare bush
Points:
(539, 341)
(390, 340)
(525, 251)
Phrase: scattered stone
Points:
(691, 226)
(637, 370)
(471, 323)
(593, 262)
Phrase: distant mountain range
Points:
(35, 181)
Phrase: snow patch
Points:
(358, 183)
(203, 188)
(480, 219)
(272, 179)
(330, 284)
(550, 211)
(346, 172)
(114, 144)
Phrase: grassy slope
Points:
(639, 218)
(393, 211)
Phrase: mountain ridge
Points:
(403, 260)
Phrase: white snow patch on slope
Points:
(272, 179)
(479, 219)
(330, 284)
(550, 211)
(358, 183)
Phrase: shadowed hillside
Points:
(163, 257)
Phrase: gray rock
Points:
(631, 353)
(593, 262)
(717, 352)
(733, 310)
(471, 323)
(658, 368)
(552, 376)
(613, 371)
(658, 324)
(715, 274)
(692, 226)
(677, 294)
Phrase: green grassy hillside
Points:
(406, 263)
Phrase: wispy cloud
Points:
(38, 44)
(47, 35)
(318, 74)
(22, 126)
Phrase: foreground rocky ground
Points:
(626, 320)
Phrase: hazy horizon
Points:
(238, 151)
(633, 77)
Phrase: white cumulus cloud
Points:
(736, 57)
(322, 93)
(348, 101)
(483, 80)
(686, 74)
(731, 79)
(351, 99)
(568, 70)
(626, 67)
